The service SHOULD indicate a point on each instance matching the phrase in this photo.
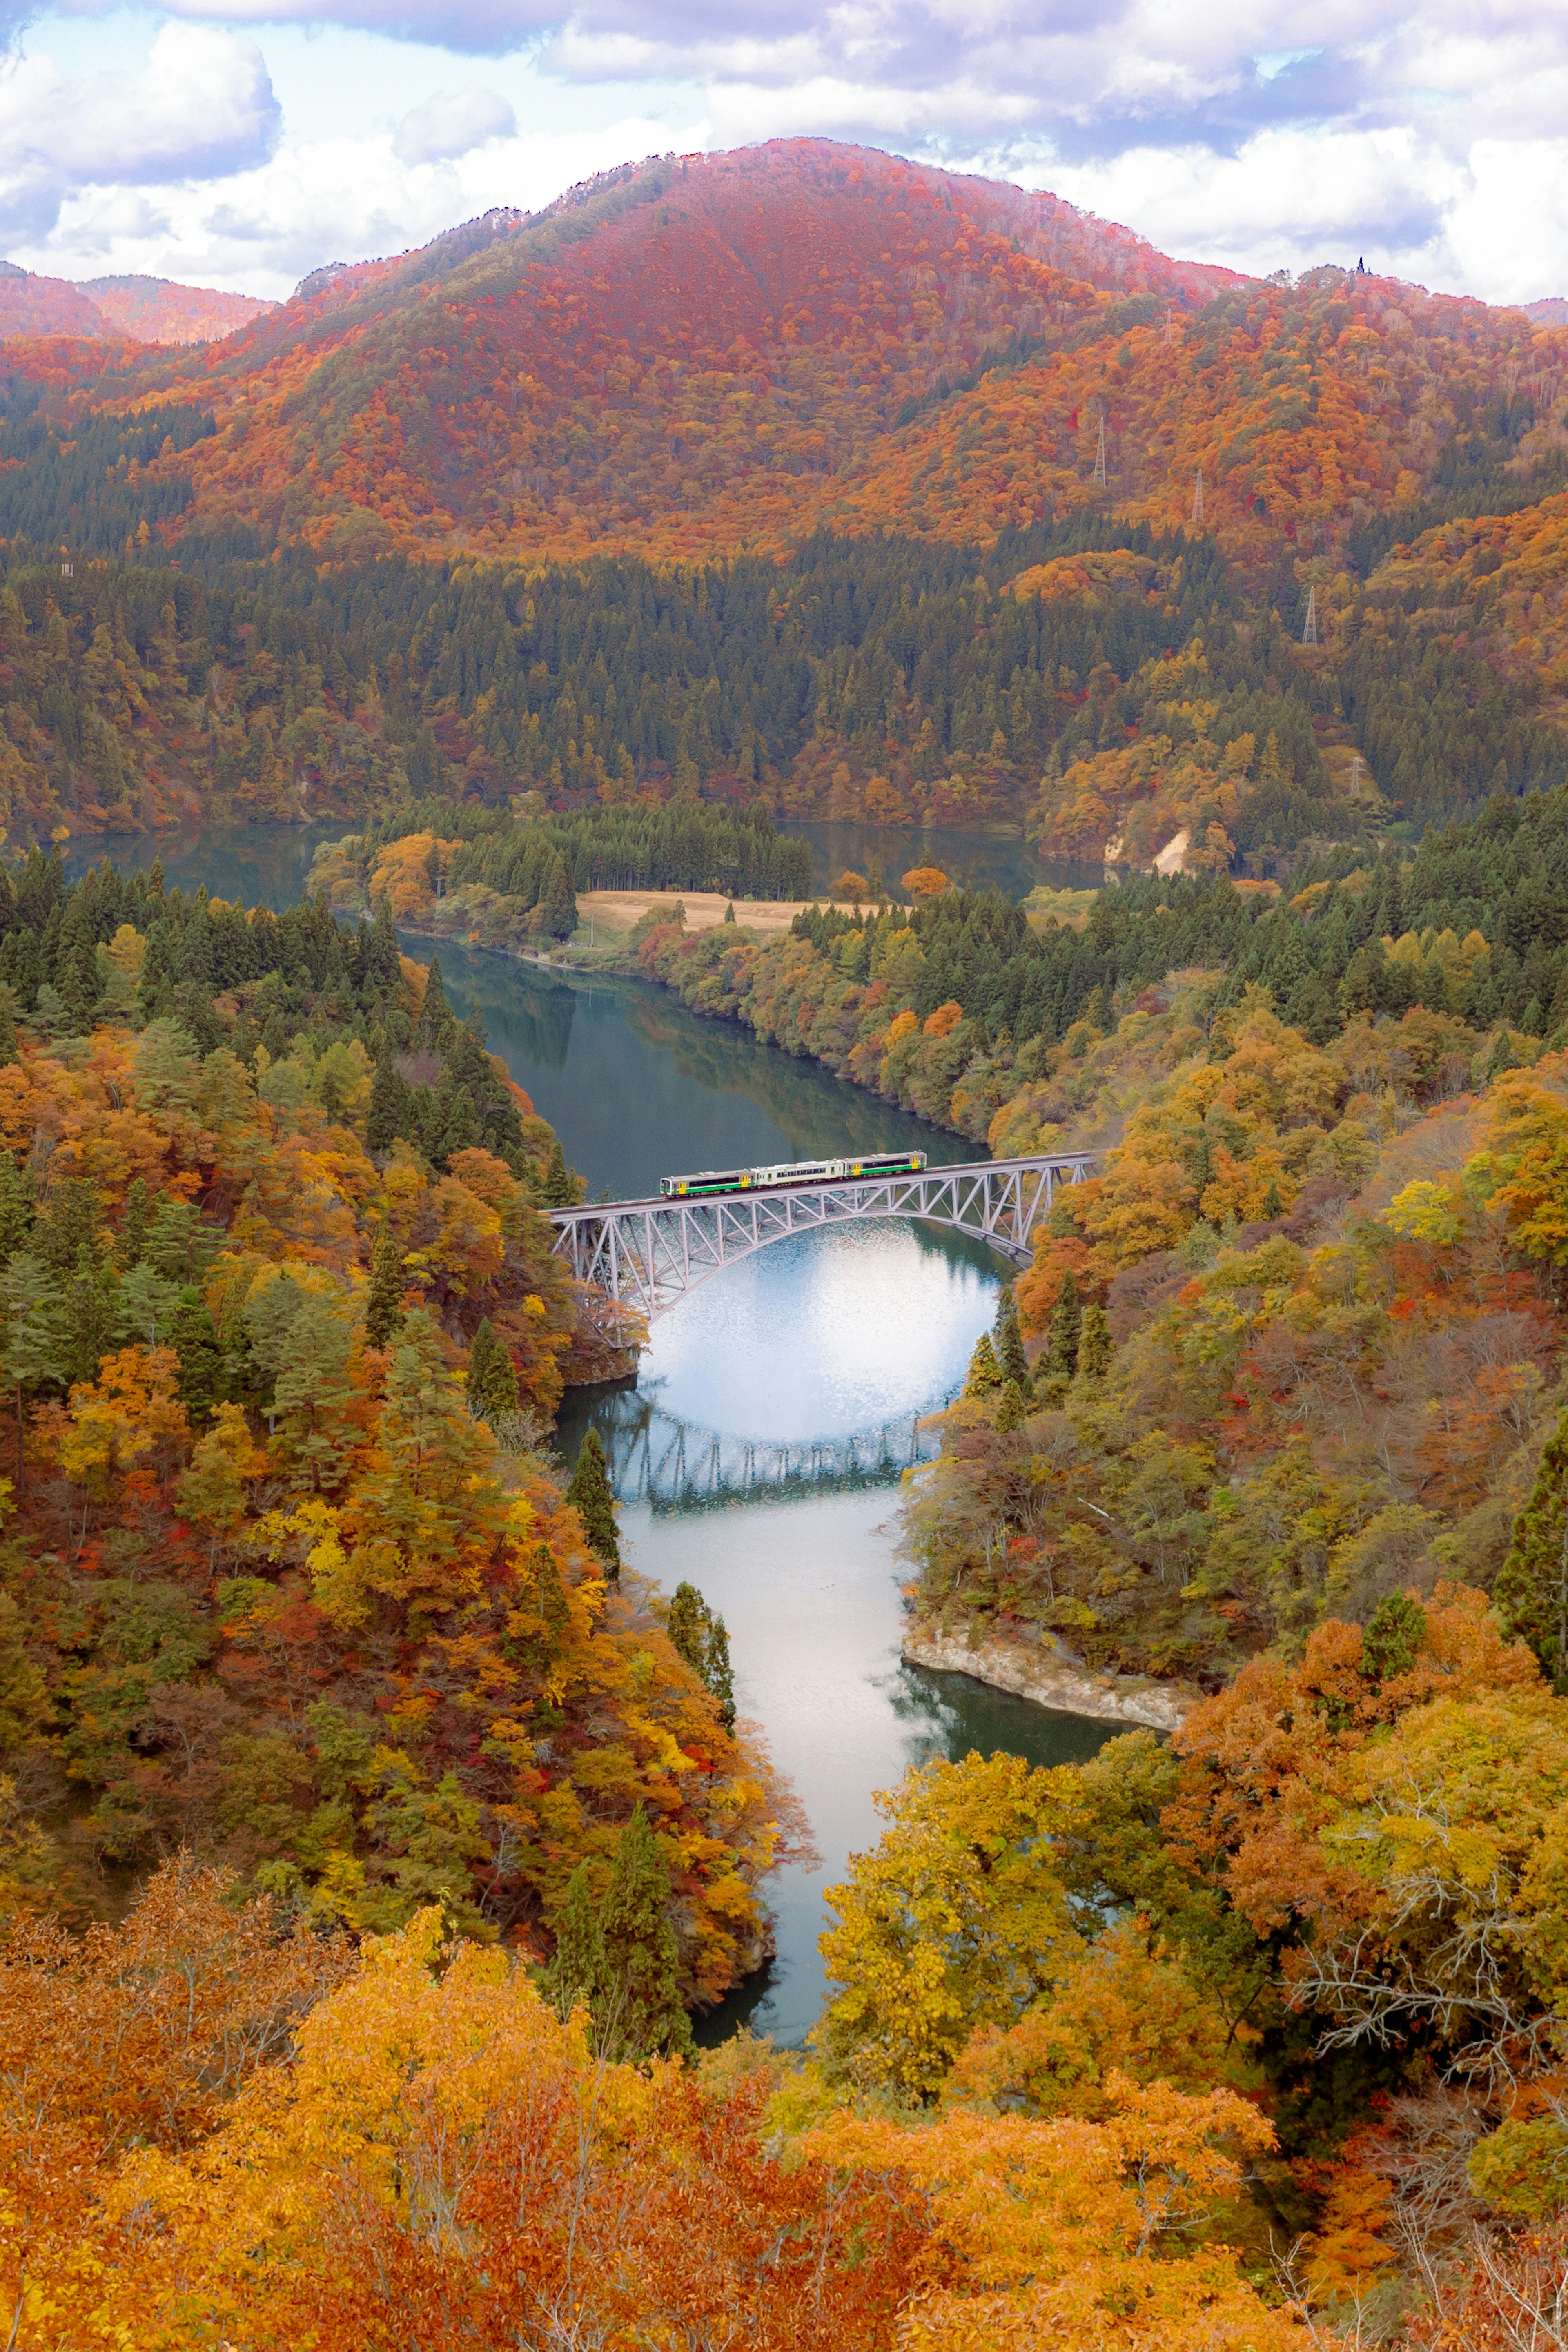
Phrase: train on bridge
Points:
(798, 1171)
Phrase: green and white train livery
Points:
(798, 1171)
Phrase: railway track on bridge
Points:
(648, 1254)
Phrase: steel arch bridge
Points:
(646, 1254)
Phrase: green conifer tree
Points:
(719, 1674)
(1067, 1327)
(641, 2012)
(313, 1392)
(558, 903)
(575, 1976)
(703, 1641)
(192, 1335)
(688, 1625)
(1203, 1164)
(391, 1109)
(436, 1018)
(985, 1373)
(1011, 1410)
(1011, 1361)
(1094, 1345)
(480, 1353)
(461, 1132)
(68, 1224)
(590, 1493)
(555, 1612)
(26, 1711)
(492, 1375)
(383, 961)
(384, 1306)
(32, 1351)
(18, 1197)
(1531, 1590)
(132, 1239)
(559, 1184)
(1393, 1637)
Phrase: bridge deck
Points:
(648, 1253)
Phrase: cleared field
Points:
(617, 910)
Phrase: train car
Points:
(710, 1180)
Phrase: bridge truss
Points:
(649, 1254)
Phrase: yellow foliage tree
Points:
(956, 1920)
(1055, 2237)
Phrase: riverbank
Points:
(1028, 1672)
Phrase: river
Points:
(759, 1453)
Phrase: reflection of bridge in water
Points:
(678, 1465)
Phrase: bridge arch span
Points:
(648, 1254)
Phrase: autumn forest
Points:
(374, 1838)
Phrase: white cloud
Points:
(260, 232)
(1271, 133)
(203, 105)
(1286, 199)
(445, 127)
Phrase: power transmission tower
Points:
(1309, 634)
(1099, 453)
(1357, 764)
(1199, 496)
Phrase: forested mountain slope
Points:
(669, 359)
(711, 353)
(999, 518)
(287, 1576)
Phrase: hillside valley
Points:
(378, 1841)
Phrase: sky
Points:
(242, 144)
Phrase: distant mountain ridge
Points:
(703, 354)
(138, 309)
(806, 471)
(679, 356)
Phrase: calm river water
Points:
(758, 1454)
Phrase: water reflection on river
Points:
(822, 1338)
(830, 1332)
